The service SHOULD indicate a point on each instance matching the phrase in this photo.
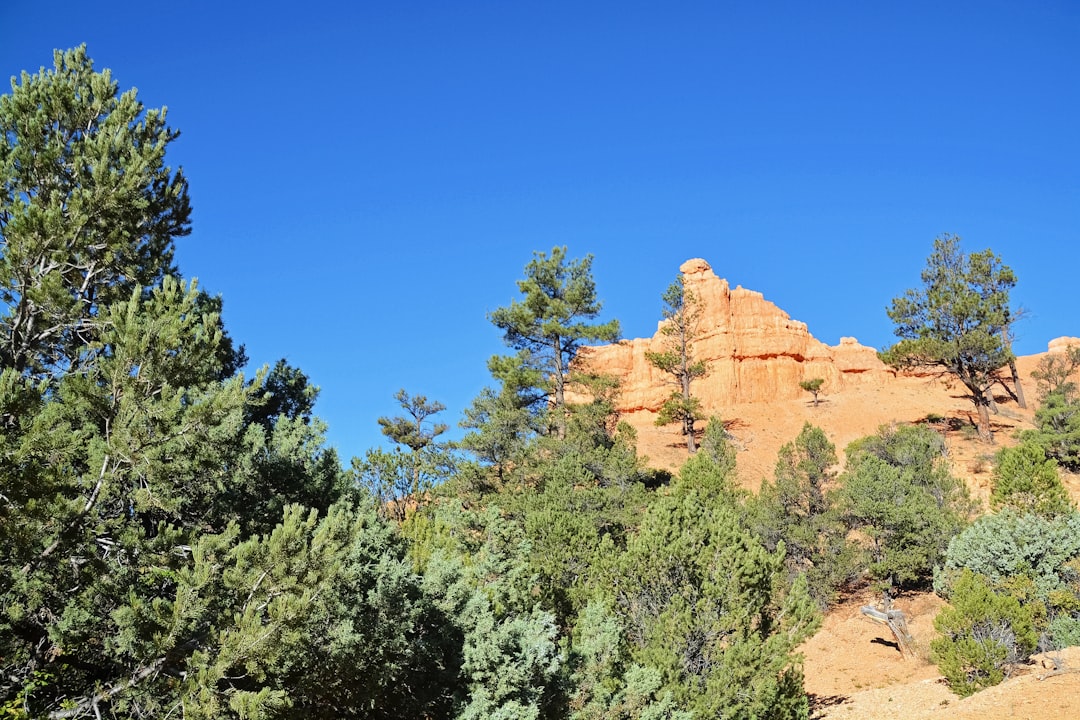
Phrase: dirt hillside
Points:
(854, 671)
(757, 355)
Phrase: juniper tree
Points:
(1058, 415)
(1058, 429)
(706, 606)
(984, 635)
(897, 491)
(796, 509)
(813, 387)
(506, 641)
(1056, 370)
(1027, 481)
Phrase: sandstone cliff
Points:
(757, 356)
(754, 351)
(1061, 344)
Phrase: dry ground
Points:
(760, 429)
(853, 669)
(855, 672)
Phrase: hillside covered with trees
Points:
(177, 539)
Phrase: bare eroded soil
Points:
(854, 671)
(853, 668)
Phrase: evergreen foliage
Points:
(409, 429)
(897, 491)
(88, 210)
(711, 470)
(398, 480)
(552, 321)
(796, 509)
(1057, 418)
(322, 617)
(479, 580)
(682, 315)
(958, 321)
(502, 421)
(1026, 480)
(572, 522)
(285, 393)
(132, 489)
(1056, 371)
(813, 387)
(1009, 545)
(707, 606)
(607, 685)
(1014, 581)
(1058, 433)
(1064, 631)
(1058, 429)
(984, 634)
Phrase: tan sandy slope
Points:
(855, 672)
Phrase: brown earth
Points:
(854, 671)
(757, 355)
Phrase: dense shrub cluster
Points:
(1012, 579)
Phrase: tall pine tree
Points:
(552, 321)
(89, 210)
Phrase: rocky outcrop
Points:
(754, 351)
(1061, 344)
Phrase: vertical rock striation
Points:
(754, 351)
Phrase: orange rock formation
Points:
(757, 356)
(754, 351)
(1061, 344)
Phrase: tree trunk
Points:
(990, 402)
(688, 420)
(896, 622)
(985, 432)
(1018, 390)
(1017, 386)
(560, 395)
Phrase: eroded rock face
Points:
(1061, 344)
(754, 351)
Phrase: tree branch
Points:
(74, 523)
(91, 703)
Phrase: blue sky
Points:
(370, 178)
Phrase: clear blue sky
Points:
(369, 178)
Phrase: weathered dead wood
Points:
(897, 623)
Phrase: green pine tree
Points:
(796, 509)
(958, 321)
(682, 318)
(89, 210)
(553, 321)
(1026, 480)
(897, 491)
(709, 608)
